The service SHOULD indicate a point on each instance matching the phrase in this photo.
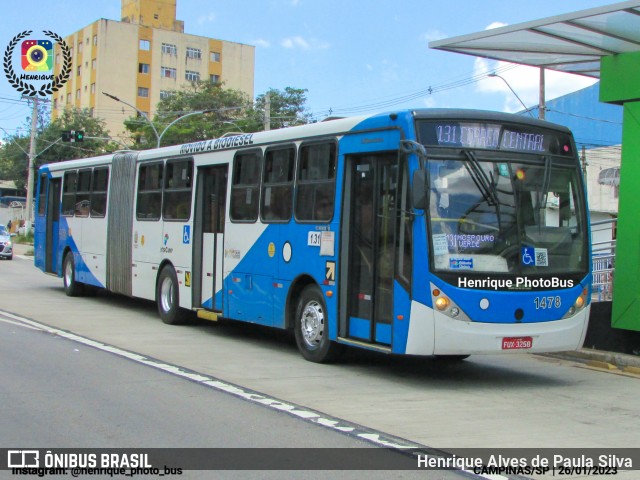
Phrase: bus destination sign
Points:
(494, 136)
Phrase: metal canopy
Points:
(573, 43)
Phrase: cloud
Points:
(206, 18)
(304, 44)
(525, 81)
(261, 43)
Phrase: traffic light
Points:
(73, 136)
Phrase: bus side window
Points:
(42, 194)
(315, 192)
(99, 187)
(83, 192)
(245, 186)
(277, 185)
(177, 190)
(149, 198)
(69, 193)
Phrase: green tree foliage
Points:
(14, 159)
(222, 105)
(228, 111)
(287, 107)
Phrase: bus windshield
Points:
(517, 214)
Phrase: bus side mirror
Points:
(419, 192)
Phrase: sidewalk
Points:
(21, 248)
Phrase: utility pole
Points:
(30, 172)
(541, 103)
(267, 112)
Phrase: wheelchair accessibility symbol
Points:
(528, 256)
(186, 234)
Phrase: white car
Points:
(6, 245)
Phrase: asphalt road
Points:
(492, 402)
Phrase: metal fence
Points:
(604, 264)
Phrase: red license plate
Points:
(516, 343)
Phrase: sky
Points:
(353, 56)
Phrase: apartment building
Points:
(140, 59)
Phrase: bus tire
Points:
(71, 286)
(312, 327)
(168, 298)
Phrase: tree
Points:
(224, 105)
(287, 108)
(49, 147)
(231, 111)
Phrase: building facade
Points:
(140, 59)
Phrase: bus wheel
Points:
(168, 299)
(312, 327)
(71, 287)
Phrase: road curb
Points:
(602, 359)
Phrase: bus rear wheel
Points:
(71, 287)
(168, 298)
(312, 328)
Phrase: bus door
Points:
(211, 195)
(371, 222)
(52, 225)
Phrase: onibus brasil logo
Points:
(36, 63)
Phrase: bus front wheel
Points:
(71, 287)
(168, 298)
(312, 327)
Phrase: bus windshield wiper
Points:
(480, 178)
(546, 180)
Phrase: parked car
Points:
(6, 245)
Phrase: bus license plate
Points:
(515, 343)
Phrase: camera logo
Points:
(37, 55)
(36, 59)
(23, 458)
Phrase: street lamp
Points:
(512, 91)
(160, 135)
(140, 112)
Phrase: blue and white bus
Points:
(425, 232)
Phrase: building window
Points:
(55, 103)
(143, 92)
(214, 78)
(215, 56)
(80, 46)
(93, 64)
(95, 39)
(78, 94)
(87, 41)
(57, 59)
(168, 72)
(68, 98)
(79, 70)
(194, 53)
(86, 65)
(145, 45)
(93, 88)
(143, 68)
(164, 94)
(71, 50)
(169, 49)
(192, 76)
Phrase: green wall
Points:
(620, 84)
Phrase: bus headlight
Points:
(442, 303)
(579, 303)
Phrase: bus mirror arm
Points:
(419, 191)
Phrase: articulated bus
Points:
(427, 232)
